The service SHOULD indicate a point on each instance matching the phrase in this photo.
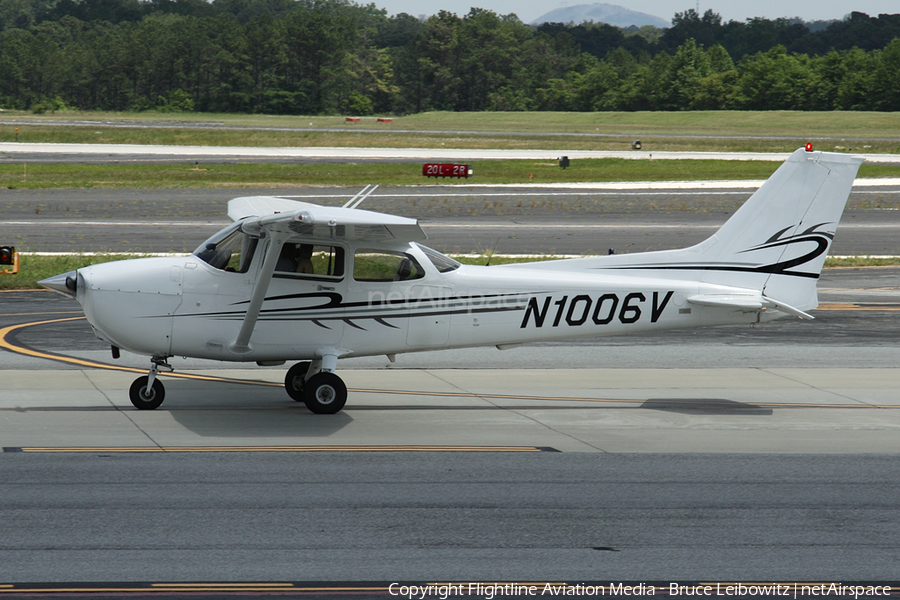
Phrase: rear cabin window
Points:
(311, 259)
(385, 265)
(441, 262)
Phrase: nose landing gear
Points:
(147, 392)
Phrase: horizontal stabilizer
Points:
(741, 302)
(746, 302)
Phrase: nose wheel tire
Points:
(295, 380)
(144, 398)
(325, 393)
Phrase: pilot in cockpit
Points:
(295, 258)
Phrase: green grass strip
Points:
(250, 175)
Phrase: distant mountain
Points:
(601, 13)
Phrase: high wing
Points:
(282, 219)
(301, 218)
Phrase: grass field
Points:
(779, 131)
(749, 123)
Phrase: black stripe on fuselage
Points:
(375, 305)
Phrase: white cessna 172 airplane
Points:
(301, 282)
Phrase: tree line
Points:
(334, 56)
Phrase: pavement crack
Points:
(119, 410)
(819, 389)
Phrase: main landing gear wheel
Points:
(295, 379)
(144, 398)
(325, 393)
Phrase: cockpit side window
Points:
(229, 250)
(311, 259)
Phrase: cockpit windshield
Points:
(444, 264)
(229, 250)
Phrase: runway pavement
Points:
(359, 521)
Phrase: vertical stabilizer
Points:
(775, 244)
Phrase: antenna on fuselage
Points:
(358, 198)
(492, 252)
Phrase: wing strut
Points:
(362, 195)
(241, 345)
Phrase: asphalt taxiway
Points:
(584, 410)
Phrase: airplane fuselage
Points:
(183, 306)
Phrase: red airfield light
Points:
(9, 258)
(808, 146)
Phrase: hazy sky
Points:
(737, 10)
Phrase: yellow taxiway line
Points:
(7, 345)
(158, 449)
